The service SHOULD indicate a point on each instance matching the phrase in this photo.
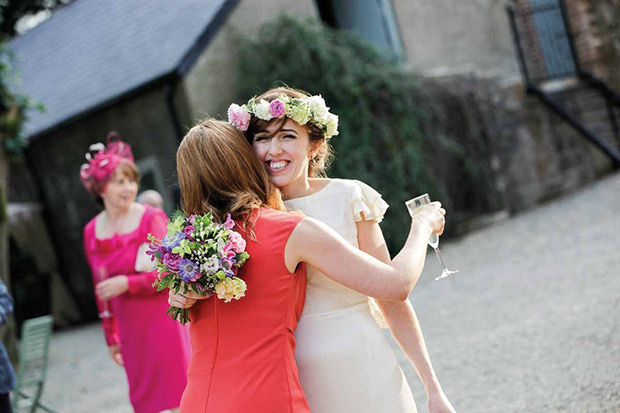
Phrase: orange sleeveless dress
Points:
(243, 351)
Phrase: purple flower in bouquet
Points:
(188, 230)
(173, 241)
(188, 270)
(172, 261)
(277, 108)
(154, 249)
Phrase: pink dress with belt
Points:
(155, 348)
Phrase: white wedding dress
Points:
(345, 362)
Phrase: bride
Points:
(345, 362)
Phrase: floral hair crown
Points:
(311, 109)
(105, 160)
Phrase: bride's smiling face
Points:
(284, 152)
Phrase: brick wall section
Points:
(591, 24)
(585, 35)
(606, 20)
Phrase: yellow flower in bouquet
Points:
(230, 288)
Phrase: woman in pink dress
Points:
(153, 348)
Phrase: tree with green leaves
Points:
(11, 11)
(14, 107)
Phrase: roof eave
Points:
(181, 69)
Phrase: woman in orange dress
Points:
(243, 351)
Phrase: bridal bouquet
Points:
(200, 255)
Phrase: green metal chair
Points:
(33, 352)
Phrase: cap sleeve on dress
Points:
(366, 203)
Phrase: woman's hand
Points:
(184, 300)
(439, 403)
(432, 215)
(112, 287)
(115, 353)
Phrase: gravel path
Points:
(529, 324)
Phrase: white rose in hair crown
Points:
(311, 109)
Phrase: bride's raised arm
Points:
(317, 244)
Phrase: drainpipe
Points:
(169, 92)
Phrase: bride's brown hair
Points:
(323, 151)
(219, 172)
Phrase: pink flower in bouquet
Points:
(228, 252)
(237, 242)
(227, 256)
(172, 261)
(192, 219)
(277, 108)
(238, 117)
(229, 224)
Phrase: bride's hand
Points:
(432, 215)
(439, 403)
(184, 300)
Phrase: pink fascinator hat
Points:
(103, 160)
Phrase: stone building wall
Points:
(535, 155)
(210, 84)
(447, 36)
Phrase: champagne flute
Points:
(102, 275)
(414, 206)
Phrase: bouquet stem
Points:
(179, 314)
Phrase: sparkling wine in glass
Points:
(102, 275)
(414, 206)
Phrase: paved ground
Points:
(529, 324)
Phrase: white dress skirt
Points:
(345, 362)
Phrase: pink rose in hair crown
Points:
(277, 108)
(239, 117)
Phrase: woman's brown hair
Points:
(219, 172)
(323, 154)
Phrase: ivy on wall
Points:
(399, 133)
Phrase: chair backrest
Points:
(33, 350)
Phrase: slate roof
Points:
(93, 51)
